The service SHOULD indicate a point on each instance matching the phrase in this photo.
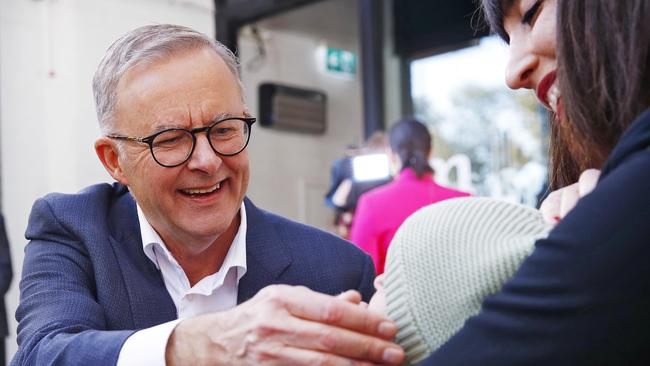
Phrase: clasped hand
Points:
(287, 325)
(560, 202)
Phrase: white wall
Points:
(290, 171)
(48, 124)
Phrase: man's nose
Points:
(521, 67)
(204, 157)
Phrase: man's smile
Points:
(202, 191)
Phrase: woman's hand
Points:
(560, 202)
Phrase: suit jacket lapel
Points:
(266, 254)
(150, 303)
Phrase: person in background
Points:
(6, 275)
(345, 189)
(382, 210)
(172, 264)
(341, 171)
(583, 294)
(336, 198)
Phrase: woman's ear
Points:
(108, 154)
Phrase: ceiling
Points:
(420, 26)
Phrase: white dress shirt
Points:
(216, 292)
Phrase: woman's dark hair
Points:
(411, 141)
(604, 74)
(494, 14)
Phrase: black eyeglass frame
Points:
(149, 139)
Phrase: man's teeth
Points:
(553, 96)
(202, 191)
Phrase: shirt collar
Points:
(153, 245)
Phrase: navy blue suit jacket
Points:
(583, 296)
(87, 284)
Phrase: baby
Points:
(445, 259)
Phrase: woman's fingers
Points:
(559, 203)
(550, 207)
(587, 181)
(570, 197)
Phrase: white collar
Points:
(153, 246)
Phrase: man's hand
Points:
(560, 202)
(285, 325)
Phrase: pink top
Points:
(382, 210)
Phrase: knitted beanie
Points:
(446, 258)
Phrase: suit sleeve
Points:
(582, 297)
(59, 319)
(366, 285)
(364, 230)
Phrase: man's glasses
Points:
(174, 146)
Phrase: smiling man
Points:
(150, 270)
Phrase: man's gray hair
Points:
(143, 45)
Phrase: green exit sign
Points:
(341, 61)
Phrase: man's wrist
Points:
(147, 346)
(194, 340)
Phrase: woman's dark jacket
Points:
(583, 296)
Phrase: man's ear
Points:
(107, 153)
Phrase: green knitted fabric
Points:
(446, 258)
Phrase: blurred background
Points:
(321, 76)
